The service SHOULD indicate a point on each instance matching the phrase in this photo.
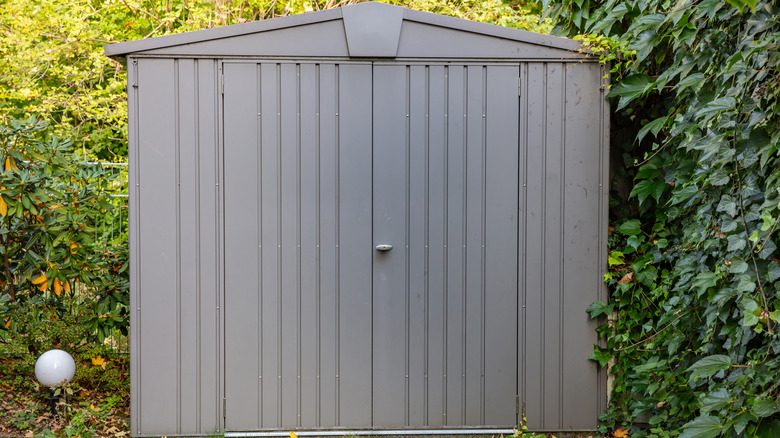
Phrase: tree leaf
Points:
(703, 427)
(709, 365)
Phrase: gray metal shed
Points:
(270, 161)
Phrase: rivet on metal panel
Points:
(337, 246)
(280, 377)
(278, 114)
(524, 185)
(337, 376)
(523, 306)
(217, 307)
(407, 376)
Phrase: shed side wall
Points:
(175, 245)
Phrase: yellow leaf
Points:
(7, 164)
(73, 248)
(43, 286)
(57, 286)
(41, 279)
(8, 324)
(66, 286)
(97, 361)
(293, 435)
(3, 206)
(620, 433)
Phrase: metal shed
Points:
(369, 219)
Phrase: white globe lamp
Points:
(55, 368)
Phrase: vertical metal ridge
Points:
(134, 155)
(338, 243)
(446, 235)
(561, 249)
(219, 241)
(426, 286)
(317, 238)
(544, 237)
(177, 171)
(260, 358)
(280, 286)
(407, 225)
(483, 253)
(464, 240)
(298, 231)
(523, 137)
(198, 279)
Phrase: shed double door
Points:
(323, 162)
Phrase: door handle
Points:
(384, 247)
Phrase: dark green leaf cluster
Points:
(50, 209)
(694, 264)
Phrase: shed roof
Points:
(363, 30)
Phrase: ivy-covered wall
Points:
(695, 268)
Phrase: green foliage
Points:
(53, 64)
(48, 208)
(694, 264)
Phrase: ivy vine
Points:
(695, 209)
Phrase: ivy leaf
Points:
(631, 227)
(601, 355)
(703, 427)
(704, 281)
(740, 4)
(716, 106)
(727, 205)
(719, 178)
(714, 400)
(599, 308)
(685, 193)
(694, 80)
(736, 243)
(764, 408)
(709, 365)
(630, 88)
(653, 127)
(742, 420)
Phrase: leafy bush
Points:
(694, 265)
(48, 208)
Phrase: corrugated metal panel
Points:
(498, 233)
(298, 144)
(174, 224)
(562, 199)
(299, 216)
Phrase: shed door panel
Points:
(297, 245)
(445, 196)
(322, 163)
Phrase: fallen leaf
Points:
(97, 361)
(627, 278)
(620, 433)
(293, 435)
